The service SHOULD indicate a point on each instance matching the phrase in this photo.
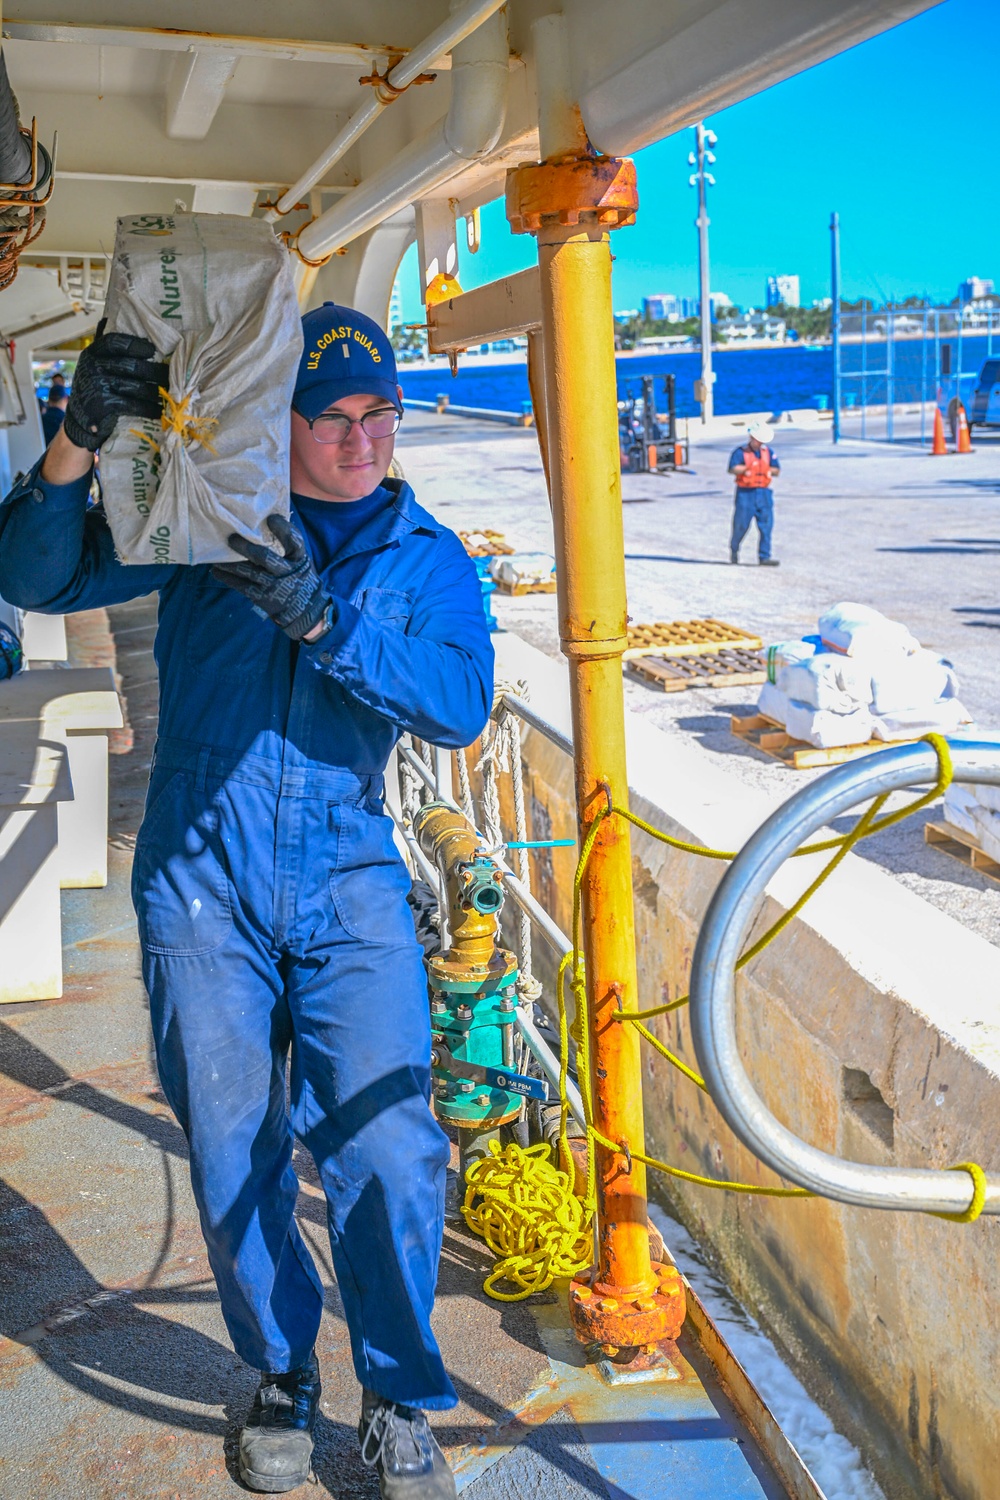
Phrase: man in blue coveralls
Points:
(270, 898)
(754, 464)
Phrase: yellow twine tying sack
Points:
(175, 417)
(526, 1211)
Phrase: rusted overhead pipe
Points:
(461, 23)
(468, 132)
(25, 181)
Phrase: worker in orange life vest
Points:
(754, 465)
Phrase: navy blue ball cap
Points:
(345, 353)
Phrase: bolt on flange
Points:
(618, 1318)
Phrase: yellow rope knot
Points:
(176, 417)
(971, 1214)
(532, 1221)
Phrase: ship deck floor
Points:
(118, 1379)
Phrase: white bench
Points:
(43, 637)
(78, 706)
(35, 784)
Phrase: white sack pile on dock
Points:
(975, 809)
(861, 677)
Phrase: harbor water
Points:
(782, 378)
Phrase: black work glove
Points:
(117, 375)
(287, 588)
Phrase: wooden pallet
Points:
(688, 638)
(486, 543)
(529, 586)
(962, 846)
(767, 735)
(711, 669)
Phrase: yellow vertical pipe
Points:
(538, 391)
(585, 477)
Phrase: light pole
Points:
(835, 318)
(702, 155)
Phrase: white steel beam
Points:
(122, 140)
(210, 198)
(195, 89)
(147, 38)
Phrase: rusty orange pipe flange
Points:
(606, 1315)
(565, 188)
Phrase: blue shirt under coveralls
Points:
(753, 505)
(270, 901)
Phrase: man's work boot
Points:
(769, 562)
(397, 1441)
(734, 557)
(276, 1442)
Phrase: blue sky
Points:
(898, 135)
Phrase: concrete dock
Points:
(888, 525)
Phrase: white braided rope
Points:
(426, 753)
(465, 786)
(410, 787)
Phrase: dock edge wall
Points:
(872, 1028)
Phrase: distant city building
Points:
(395, 307)
(667, 307)
(822, 304)
(782, 289)
(974, 287)
(757, 325)
(626, 315)
(720, 301)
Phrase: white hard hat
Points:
(761, 431)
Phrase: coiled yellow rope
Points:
(527, 1211)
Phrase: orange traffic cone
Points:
(939, 445)
(964, 444)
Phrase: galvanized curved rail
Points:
(721, 941)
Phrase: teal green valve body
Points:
(472, 1020)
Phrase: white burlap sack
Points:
(943, 717)
(214, 293)
(859, 630)
(819, 727)
(827, 680)
(773, 703)
(903, 682)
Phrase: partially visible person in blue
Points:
(55, 412)
(754, 464)
(270, 898)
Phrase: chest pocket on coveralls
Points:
(390, 606)
(179, 885)
(369, 883)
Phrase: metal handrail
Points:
(720, 942)
(531, 716)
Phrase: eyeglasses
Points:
(335, 426)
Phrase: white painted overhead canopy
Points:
(229, 107)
